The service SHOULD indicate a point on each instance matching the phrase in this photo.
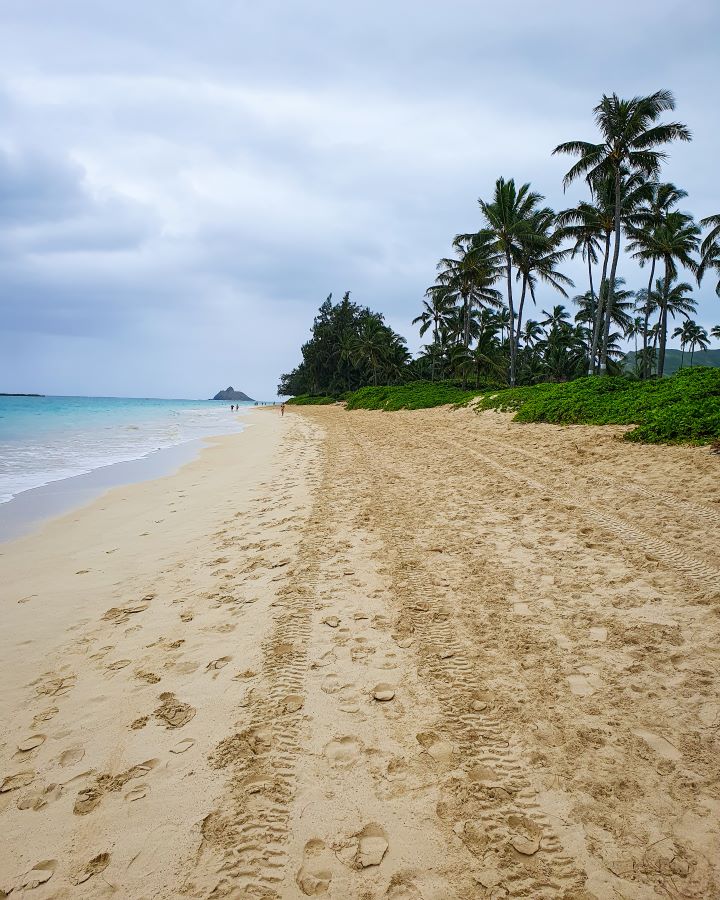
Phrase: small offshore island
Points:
(231, 394)
(2, 394)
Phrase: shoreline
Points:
(29, 510)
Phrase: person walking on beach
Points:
(282, 410)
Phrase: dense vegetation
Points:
(349, 346)
(476, 312)
(682, 408)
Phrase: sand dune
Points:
(420, 656)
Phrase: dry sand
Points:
(423, 656)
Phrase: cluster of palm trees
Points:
(476, 310)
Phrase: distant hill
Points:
(231, 394)
(674, 357)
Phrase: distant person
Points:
(282, 410)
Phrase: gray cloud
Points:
(180, 187)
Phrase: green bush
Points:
(309, 400)
(416, 395)
(680, 409)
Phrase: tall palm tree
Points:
(710, 249)
(631, 138)
(511, 220)
(673, 241)
(661, 199)
(715, 331)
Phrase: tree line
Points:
(476, 311)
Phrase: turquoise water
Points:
(45, 439)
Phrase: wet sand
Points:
(421, 655)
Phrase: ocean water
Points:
(46, 439)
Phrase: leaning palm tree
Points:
(685, 333)
(698, 338)
(631, 138)
(715, 331)
(538, 261)
(710, 249)
(511, 219)
(673, 242)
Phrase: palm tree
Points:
(631, 138)
(661, 199)
(698, 338)
(511, 219)
(685, 333)
(471, 274)
(710, 250)
(436, 313)
(715, 331)
(673, 242)
(539, 261)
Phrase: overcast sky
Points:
(182, 182)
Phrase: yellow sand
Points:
(423, 656)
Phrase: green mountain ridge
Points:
(673, 359)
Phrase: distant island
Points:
(21, 395)
(231, 394)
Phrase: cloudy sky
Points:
(182, 182)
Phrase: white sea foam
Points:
(48, 443)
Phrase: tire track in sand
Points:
(673, 557)
(247, 835)
(488, 800)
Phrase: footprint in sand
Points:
(55, 687)
(315, 874)
(39, 874)
(30, 743)
(216, 664)
(183, 746)
(173, 712)
(118, 664)
(292, 703)
(71, 756)
(658, 744)
(17, 780)
(45, 715)
(438, 749)
(343, 752)
(137, 793)
(366, 848)
(95, 866)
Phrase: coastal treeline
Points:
(481, 314)
(350, 346)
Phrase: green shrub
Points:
(416, 395)
(683, 408)
(309, 400)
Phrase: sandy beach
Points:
(427, 655)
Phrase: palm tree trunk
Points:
(435, 340)
(599, 311)
(592, 301)
(611, 283)
(663, 322)
(682, 355)
(645, 366)
(511, 329)
(466, 322)
(520, 312)
(692, 353)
